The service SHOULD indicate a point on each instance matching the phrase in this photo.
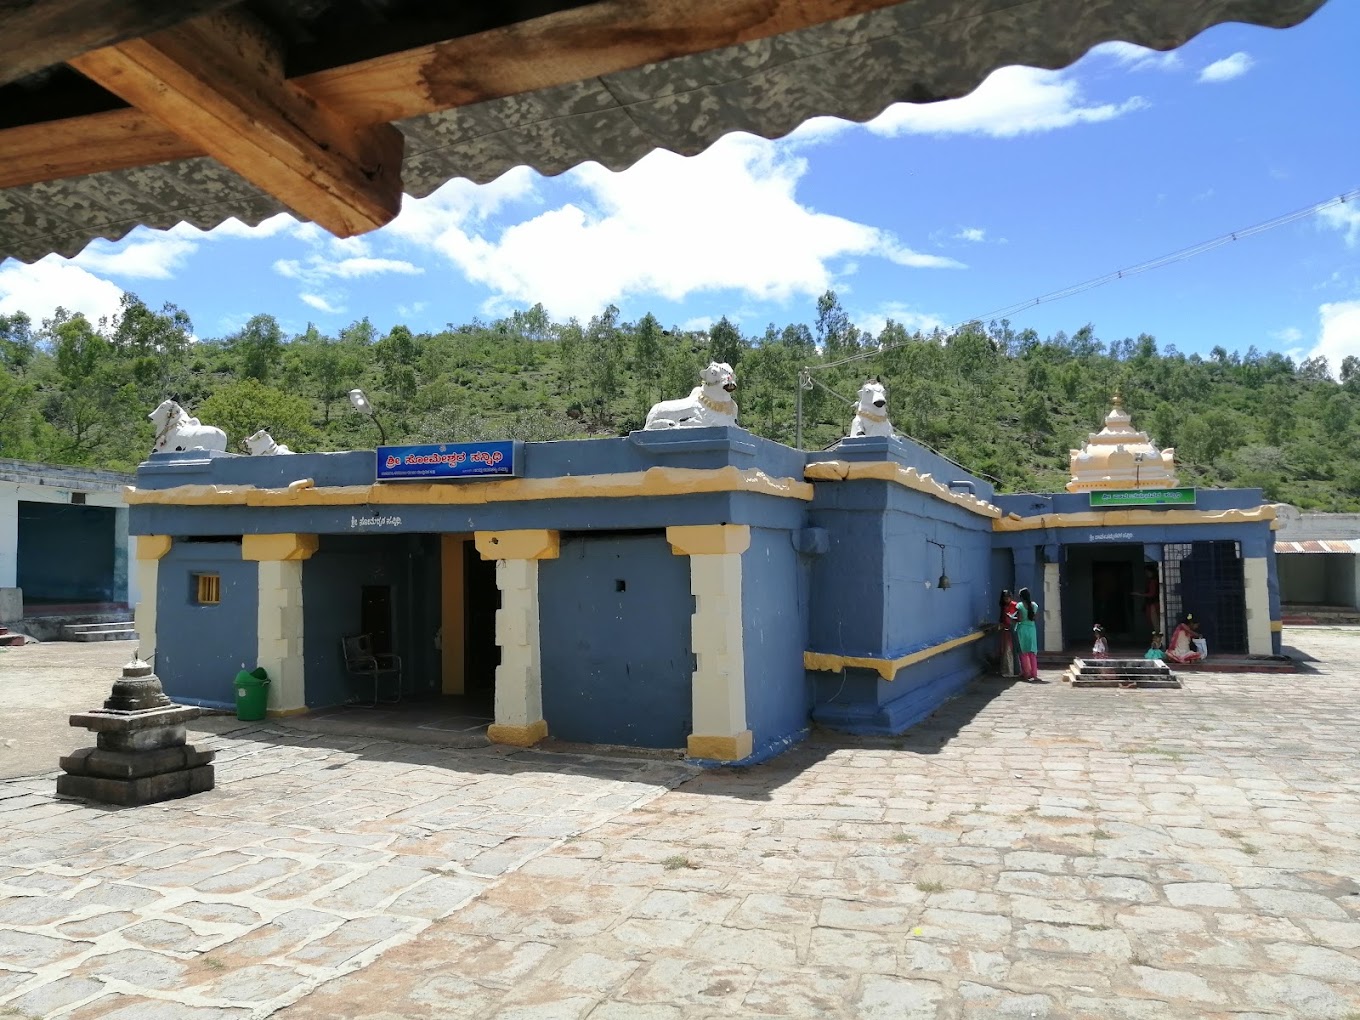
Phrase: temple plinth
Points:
(1121, 457)
(141, 756)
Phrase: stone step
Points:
(8, 640)
(122, 630)
(1120, 673)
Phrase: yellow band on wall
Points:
(657, 481)
(524, 544)
(1277, 626)
(517, 736)
(733, 748)
(1127, 518)
(907, 477)
(887, 668)
(708, 539)
(278, 547)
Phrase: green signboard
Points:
(1143, 497)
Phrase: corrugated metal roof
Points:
(1319, 546)
(916, 51)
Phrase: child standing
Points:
(1100, 648)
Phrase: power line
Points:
(1120, 274)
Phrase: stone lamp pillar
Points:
(141, 756)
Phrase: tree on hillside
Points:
(258, 347)
(646, 361)
(242, 408)
(725, 343)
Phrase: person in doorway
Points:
(1005, 636)
(1151, 596)
(1187, 645)
(1027, 635)
(1100, 647)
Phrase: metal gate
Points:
(1206, 579)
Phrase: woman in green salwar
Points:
(1026, 635)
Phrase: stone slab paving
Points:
(315, 854)
(1030, 852)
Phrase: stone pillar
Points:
(121, 587)
(718, 690)
(519, 677)
(279, 647)
(150, 549)
(1050, 607)
(9, 536)
(1255, 573)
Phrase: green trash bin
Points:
(252, 694)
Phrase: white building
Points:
(1318, 558)
(64, 544)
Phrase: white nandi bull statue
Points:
(871, 413)
(175, 431)
(709, 403)
(262, 444)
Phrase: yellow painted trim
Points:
(285, 713)
(908, 477)
(1277, 626)
(887, 668)
(708, 539)
(525, 544)
(657, 481)
(733, 748)
(287, 546)
(452, 613)
(517, 736)
(152, 547)
(1127, 518)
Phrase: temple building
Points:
(1121, 457)
(693, 588)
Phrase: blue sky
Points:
(929, 214)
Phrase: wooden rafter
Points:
(217, 83)
(35, 34)
(556, 49)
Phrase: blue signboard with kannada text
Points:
(434, 462)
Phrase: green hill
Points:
(1003, 403)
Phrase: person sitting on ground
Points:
(1183, 642)
(1100, 648)
(1155, 651)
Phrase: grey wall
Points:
(199, 649)
(66, 552)
(1318, 579)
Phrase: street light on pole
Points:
(358, 400)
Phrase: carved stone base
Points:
(132, 792)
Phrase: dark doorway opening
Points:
(481, 654)
(1111, 585)
(66, 554)
(375, 615)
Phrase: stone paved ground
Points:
(1030, 852)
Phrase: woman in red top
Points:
(1005, 639)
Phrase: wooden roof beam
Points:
(556, 49)
(39, 33)
(217, 83)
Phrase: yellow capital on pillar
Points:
(708, 539)
(526, 544)
(278, 547)
(152, 547)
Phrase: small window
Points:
(208, 589)
(78, 498)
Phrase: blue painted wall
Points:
(332, 583)
(617, 664)
(775, 583)
(66, 553)
(199, 649)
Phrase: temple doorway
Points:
(1102, 585)
(469, 600)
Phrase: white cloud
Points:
(1138, 58)
(1288, 335)
(872, 322)
(975, 234)
(155, 255)
(1339, 332)
(319, 303)
(1346, 218)
(1012, 101)
(38, 289)
(1227, 69)
(318, 268)
(412, 310)
(265, 228)
(699, 322)
(727, 219)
